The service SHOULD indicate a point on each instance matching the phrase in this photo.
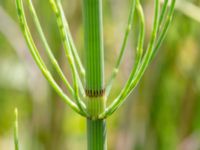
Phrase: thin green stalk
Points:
(121, 98)
(73, 47)
(94, 93)
(35, 54)
(68, 44)
(146, 60)
(94, 56)
(16, 138)
(47, 48)
(96, 129)
(141, 38)
(163, 12)
(68, 53)
(122, 50)
(165, 29)
(140, 44)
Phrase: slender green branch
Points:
(61, 20)
(74, 50)
(126, 91)
(68, 53)
(152, 53)
(140, 44)
(95, 95)
(47, 48)
(165, 29)
(16, 138)
(61, 15)
(35, 54)
(147, 59)
(122, 50)
(141, 38)
(163, 13)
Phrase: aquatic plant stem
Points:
(88, 91)
(94, 55)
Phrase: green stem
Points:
(94, 54)
(96, 129)
(93, 45)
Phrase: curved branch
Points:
(36, 56)
(156, 47)
(122, 50)
(126, 91)
(72, 45)
(165, 29)
(163, 13)
(68, 51)
(48, 49)
(140, 44)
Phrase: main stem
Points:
(96, 128)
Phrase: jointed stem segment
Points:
(94, 70)
(94, 96)
(94, 52)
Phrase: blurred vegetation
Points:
(163, 113)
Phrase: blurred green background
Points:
(163, 112)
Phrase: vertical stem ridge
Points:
(94, 44)
(94, 56)
(94, 128)
(94, 53)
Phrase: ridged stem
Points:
(97, 129)
(94, 54)
(93, 44)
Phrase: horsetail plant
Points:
(89, 91)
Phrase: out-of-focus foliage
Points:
(163, 113)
